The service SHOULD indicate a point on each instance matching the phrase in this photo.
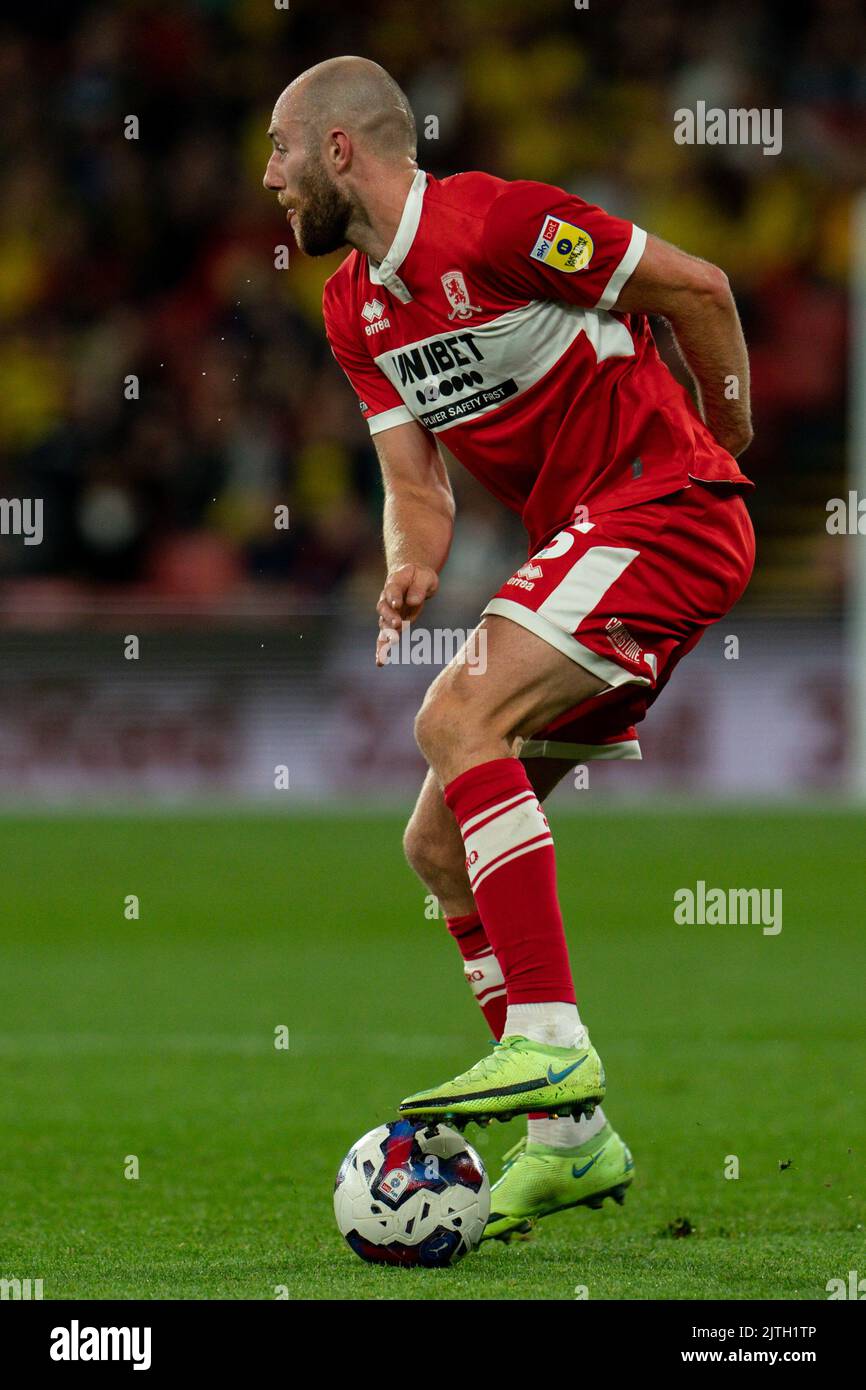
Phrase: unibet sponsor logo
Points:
(448, 366)
(563, 246)
(444, 358)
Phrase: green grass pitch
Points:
(155, 1038)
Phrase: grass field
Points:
(155, 1038)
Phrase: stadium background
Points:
(155, 257)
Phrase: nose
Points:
(272, 179)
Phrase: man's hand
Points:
(417, 527)
(404, 595)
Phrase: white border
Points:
(404, 236)
(633, 254)
(387, 419)
(581, 752)
(565, 643)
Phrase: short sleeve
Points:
(380, 404)
(544, 243)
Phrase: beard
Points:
(324, 218)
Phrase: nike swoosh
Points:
(579, 1172)
(556, 1076)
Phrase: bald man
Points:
(508, 321)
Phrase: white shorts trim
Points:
(580, 752)
(564, 642)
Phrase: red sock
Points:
(481, 969)
(512, 873)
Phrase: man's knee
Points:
(450, 720)
(430, 725)
(420, 849)
(447, 717)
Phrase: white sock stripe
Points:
(487, 995)
(514, 854)
(509, 829)
(467, 827)
(482, 976)
(533, 843)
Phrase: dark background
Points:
(155, 256)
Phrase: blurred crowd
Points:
(165, 386)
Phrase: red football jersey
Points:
(492, 322)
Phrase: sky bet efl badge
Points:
(562, 246)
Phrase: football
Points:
(413, 1195)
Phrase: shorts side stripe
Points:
(554, 636)
(585, 584)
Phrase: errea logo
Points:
(372, 312)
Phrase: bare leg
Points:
(434, 845)
(469, 718)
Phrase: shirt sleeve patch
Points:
(562, 246)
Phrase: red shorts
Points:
(627, 596)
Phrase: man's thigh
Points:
(510, 682)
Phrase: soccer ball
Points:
(412, 1194)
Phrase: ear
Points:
(338, 150)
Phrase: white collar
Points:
(386, 272)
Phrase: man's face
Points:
(317, 211)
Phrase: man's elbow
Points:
(705, 288)
(737, 440)
(712, 285)
(446, 502)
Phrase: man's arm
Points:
(418, 525)
(696, 299)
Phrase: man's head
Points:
(334, 131)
